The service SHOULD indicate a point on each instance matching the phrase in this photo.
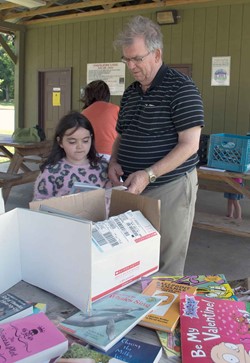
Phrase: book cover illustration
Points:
(214, 330)
(165, 316)
(110, 318)
(171, 342)
(133, 351)
(77, 352)
(12, 307)
(215, 286)
(33, 338)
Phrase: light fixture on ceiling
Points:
(167, 17)
(29, 3)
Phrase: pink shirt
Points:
(57, 180)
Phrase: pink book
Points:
(31, 339)
(214, 330)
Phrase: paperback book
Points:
(13, 307)
(171, 342)
(77, 352)
(133, 351)
(166, 316)
(33, 338)
(110, 318)
(214, 330)
(215, 286)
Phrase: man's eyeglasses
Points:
(135, 60)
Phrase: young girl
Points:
(73, 158)
(233, 202)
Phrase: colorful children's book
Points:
(31, 339)
(77, 352)
(13, 307)
(110, 319)
(214, 330)
(215, 286)
(166, 316)
(133, 351)
(171, 342)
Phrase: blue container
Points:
(229, 152)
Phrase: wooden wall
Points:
(217, 29)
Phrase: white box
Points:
(56, 253)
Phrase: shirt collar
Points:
(156, 81)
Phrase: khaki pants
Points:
(177, 213)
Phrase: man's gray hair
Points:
(140, 26)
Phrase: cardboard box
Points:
(56, 253)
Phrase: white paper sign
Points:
(111, 73)
(220, 71)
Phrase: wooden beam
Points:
(7, 5)
(165, 4)
(7, 49)
(63, 8)
(6, 27)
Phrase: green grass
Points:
(6, 104)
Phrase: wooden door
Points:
(54, 98)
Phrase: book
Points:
(241, 288)
(13, 307)
(33, 338)
(214, 330)
(77, 351)
(171, 342)
(208, 285)
(165, 316)
(110, 319)
(133, 351)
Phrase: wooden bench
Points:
(222, 224)
(5, 178)
(8, 180)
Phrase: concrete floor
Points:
(209, 252)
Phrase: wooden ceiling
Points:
(62, 10)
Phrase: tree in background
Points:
(7, 71)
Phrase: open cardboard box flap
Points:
(47, 251)
(91, 205)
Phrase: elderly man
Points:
(159, 126)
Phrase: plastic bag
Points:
(26, 134)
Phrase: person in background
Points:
(159, 126)
(102, 115)
(233, 202)
(73, 158)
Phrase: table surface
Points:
(58, 310)
(221, 180)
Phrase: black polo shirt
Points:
(149, 122)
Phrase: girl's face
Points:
(76, 145)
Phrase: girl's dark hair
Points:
(95, 91)
(73, 120)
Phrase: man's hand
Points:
(137, 182)
(114, 173)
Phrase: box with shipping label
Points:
(56, 253)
